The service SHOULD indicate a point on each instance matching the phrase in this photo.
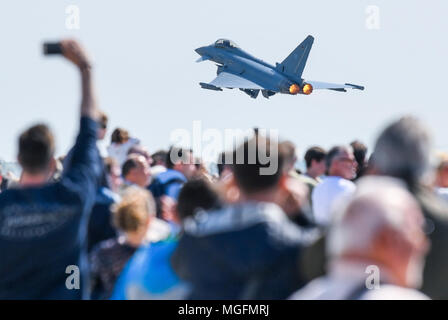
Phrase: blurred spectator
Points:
(131, 217)
(151, 273)
(315, 164)
(113, 174)
(288, 149)
(252, 248)
(158, 164)
(142, 151)
(360, 153)
(102, 130)
(3, 180)
(224, 166)
(100, 222)
(99, 225)
(120, 145)
(381, 227)
(201, 171)
(135, 171)
(197, 195)
(341, 168)
(102, 126)
(43, 225)
(441, 179)
(315, 168)
(180, 167)
(403, 151)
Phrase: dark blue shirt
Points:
(167, 183)
(43, 230)
(100, 223)
(244, 251)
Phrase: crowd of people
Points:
(133, 224)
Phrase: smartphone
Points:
(52, 48)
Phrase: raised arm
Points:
(84, 168)
(73, 51)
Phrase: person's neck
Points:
(387, 273)
(264, 196)
(32, 180)
(335, 175)
(311, 173)
(135, 239)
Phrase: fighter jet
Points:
(238, 69)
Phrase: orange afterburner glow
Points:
(294, 89)
(307, 89)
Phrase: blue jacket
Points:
(43, 230)
(149, 275)
(167, 183)
(244, 251)
(100, 223)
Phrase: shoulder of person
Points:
(312, 291)
(392, 292)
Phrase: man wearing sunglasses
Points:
(341, 168)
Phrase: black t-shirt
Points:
(107, 261)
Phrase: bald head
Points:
(382, 223)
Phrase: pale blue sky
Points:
(147, 78)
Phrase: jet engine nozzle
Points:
(294, 89)
(307, 89)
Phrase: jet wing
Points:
(230, 80)
(333, 86)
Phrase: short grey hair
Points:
(334, 152)
(377, 203)
(403, 150)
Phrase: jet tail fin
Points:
(296, 61)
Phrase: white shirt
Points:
(327, 194)
(346, 278)
(442, 193)
(119, 152)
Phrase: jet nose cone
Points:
(200, 51)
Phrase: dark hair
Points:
(359, 151)
(314, 153)
(159, 157)
(247, 174)
(36, 149)
(333, 153)
(197, 194)
(128, 165)
(119, 136)
(102, 121)
(180, 152)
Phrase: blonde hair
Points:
(134, 210)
